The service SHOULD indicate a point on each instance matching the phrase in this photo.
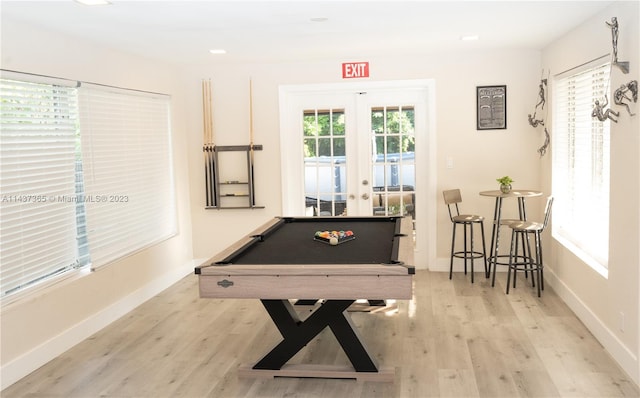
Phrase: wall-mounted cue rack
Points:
(229, 189)
(230, 193)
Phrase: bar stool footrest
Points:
(524, 266)
(468, 255)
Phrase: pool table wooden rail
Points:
(339, 287)
(294, 281)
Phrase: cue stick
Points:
(204, 144)
(212, 153)
(209, 146)
(253, 195)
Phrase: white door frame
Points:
(291, 96)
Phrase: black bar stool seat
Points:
(452, 198)
(529, 261)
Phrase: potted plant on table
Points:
(505, 184)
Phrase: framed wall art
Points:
(491, 107)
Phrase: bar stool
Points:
(530, 261)
(452, 198)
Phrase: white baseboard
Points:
(627, 360)
(47, 351)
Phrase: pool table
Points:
(281, 261)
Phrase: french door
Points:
(355, 150)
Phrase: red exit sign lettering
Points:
(352, 70)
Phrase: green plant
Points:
(506, 180)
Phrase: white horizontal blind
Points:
(581, 161)
(38, 158)
(127, 170)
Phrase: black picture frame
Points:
(491, 107)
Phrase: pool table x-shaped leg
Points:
(296, 333)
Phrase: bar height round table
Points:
(521, 195)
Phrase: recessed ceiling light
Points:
(93, 2)
(319, 19)
(217, 51)
(469, 38)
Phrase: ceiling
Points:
(183, 32)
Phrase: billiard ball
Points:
(333, 241)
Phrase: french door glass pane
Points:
(325, 162)
(310, 147)
(393, 170)
(324, 147)
(338, 147)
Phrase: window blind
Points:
(39, 230)
(581, 161)
(127, 170)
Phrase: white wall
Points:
(479, 156)
(45, 324)
(597, 300)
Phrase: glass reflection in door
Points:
(325, 178)
(393, 151)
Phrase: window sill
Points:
(36, 291)
(586, 258)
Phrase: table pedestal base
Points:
(297, 333)
(384, 374)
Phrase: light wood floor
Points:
(453, 339)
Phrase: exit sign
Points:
(352, 70)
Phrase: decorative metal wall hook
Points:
(543, 149)
(602, 114)
(542, 93)
(542, 100)
(534, 121)
(620, 95)
(613, 25)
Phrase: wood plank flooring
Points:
(454, 339)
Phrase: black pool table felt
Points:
(293, 242)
